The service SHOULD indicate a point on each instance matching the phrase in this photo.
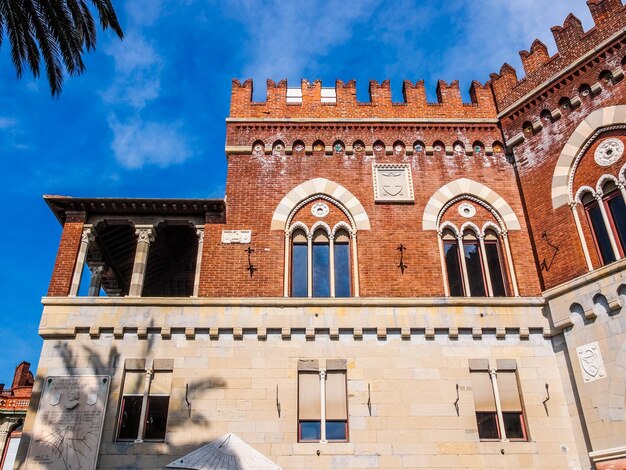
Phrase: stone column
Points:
(496, 394)
(331, 263)
(196, 279)
(483, 258)
(622, 189)
(145, 236)
(468, 291)
(309, 277)
(442, 259)
(96, 279)
(509, 261)
(323, 406)
(87, 238)
(355, 264)
(287, 268)
(144, 404)
(581, 236)
(607, 224)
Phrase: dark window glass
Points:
(336, 431)
(495, 268)
(474, 269)
(342, 269)
(130, 416)
(487, 425)
(310, 430)
(514, 425)
(156, 417)
(299, 270)
(453, 267)
(617, 208)
(599, 230)
(321, 269)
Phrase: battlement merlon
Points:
(313, 101)
(572, 43)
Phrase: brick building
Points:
(14, 403)
(384, 285)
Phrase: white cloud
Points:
(495, 30)
(137, 143)
(285, 38)
(138, 72)
(7, 123)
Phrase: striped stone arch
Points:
(465, 186)
(320, 186)
(579, 141)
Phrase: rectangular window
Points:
(474, 268)
(144, 405)
(599, 231)
(487, 384)
(342, 268)
(322, 402)
(492, 253)
(299, 270)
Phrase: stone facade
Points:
(443, 253)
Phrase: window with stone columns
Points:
(497, 401)
(594, 186)
(320, 258)
(605, 214)
(322, 401)
(476, 260)
(145, 400)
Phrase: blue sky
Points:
(146, 119)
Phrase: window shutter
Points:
(336, 408)
(134, 382)
(309, 396)
(509, 393)
(483, 392)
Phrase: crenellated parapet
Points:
(573, 44)
(312, 100)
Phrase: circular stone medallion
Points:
(467, 210)
(609, 151)
(320, 209)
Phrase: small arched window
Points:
(299, 264)
(473, 264)
(321, 264)
(341, 258)
(453, 263)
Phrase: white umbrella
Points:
(225, 453)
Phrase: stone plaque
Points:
(68, 424)
(236, 236)
(392, 182)
(591, 362)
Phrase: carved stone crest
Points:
(591, 362)
(609, 151)
(392, 182)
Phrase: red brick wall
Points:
(449, 103)
(256, 185)
(536, 159)
(66, 256)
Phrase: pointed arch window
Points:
(321, 261)
(606, 215)
(299, 265)
(473, 263)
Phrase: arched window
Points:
(341, 258)
(606, 216)
(453, 263)
(474, 264)
(299, 264)
(494, 263)
(321, 264)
